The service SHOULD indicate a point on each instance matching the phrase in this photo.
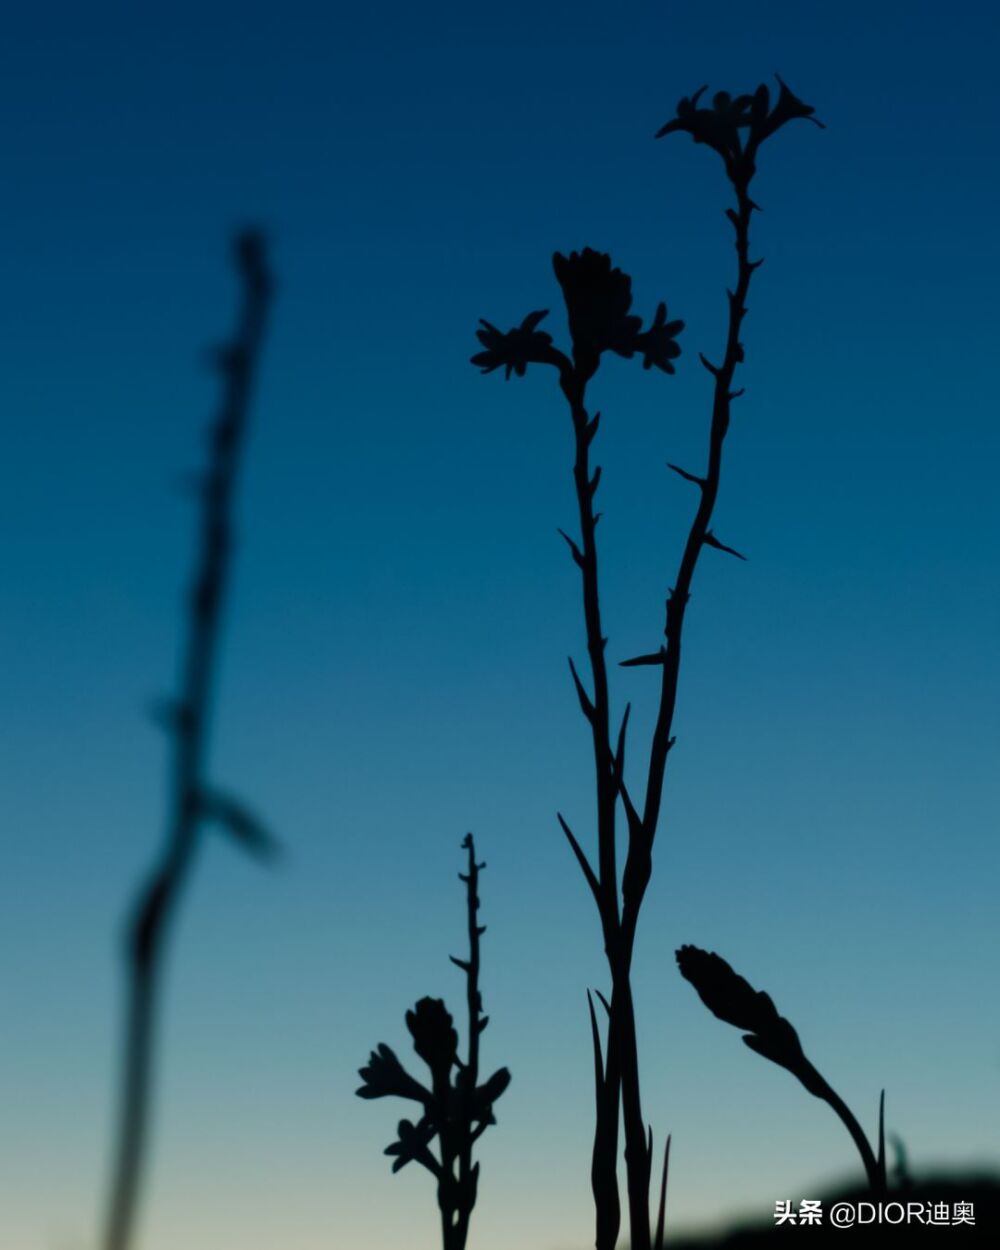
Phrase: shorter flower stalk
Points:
(455, 1110)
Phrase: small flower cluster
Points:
(514, 350)
(721, 125)
(598, 300)
(444, 1107)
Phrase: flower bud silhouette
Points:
(487, 1094)
(413, 1145)
(434, 1036)
(719, 127)
(658, 344)
(598, 298)
(384, 1075)
(514, 350)
(733, 999)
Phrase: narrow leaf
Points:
(574, 549)
(585, 701)
(242, 824)
(880, 1161)
(688, 477)
(582, 860)
(598, 1057)
(711, 541)
(637, 661)
(661, 1215)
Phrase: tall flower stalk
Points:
(194, 804)
(598, 302)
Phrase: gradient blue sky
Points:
(395, 659)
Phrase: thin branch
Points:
(688, 477)
(603, 883)
(596, 709)
(639, 857)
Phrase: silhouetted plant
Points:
(455, 1110)
(194, 804)
(598, 302)
(733, 999)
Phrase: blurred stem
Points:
(159, 897)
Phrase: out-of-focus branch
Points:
(192, 802)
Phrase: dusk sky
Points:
(394, 669)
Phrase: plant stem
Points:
(604, 1178)
(643, 829)
(821, 1088)
(619, 1092)
(854, 1128)
(159, 897)
(467, 1173)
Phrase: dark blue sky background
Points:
(395, 654)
